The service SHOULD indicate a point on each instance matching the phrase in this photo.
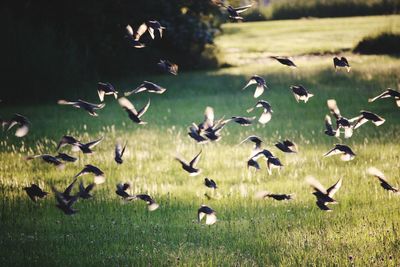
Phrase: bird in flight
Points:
(341, 63)
(21, 122)
(284, 61)
(89, 107)
(134, 115)
(168, 67)
(345, 151)
(301, 93)
(387, 94)
(324, 196)
(191, 166)
(147, 87)
(255, 79)
(106, 89)
(99, 177)
(209, 213)
(266, 115)
(35, 192)
(382, 179)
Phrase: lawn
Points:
(362, 229)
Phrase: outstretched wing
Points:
(334, 188)
(195, 160)
(144, 109)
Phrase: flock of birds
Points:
(209, 130)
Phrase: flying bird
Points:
(347, 153)
(301, 93)
(134, 37)
(89, 107)
(210, 183)
(256, 140)
(287, 146)
(154, 25)
(119, 152)
(168, 66)
(106, 89)
(134, 115)
(273, 163)
(243, 121)
(267, 111)
(121, 191)
(208, 212)
(86, 148)
(67, 192)
(34, 192)
(99, 177)
(342, 63)
(253, 163)
(64, 204)
(147, 87)
(68, 140)
(341, 122)
(285, 61)
(66, 157)
(386, 94)
(235, 11)
(324, 196)
(21, 122)
(367, 116)
(382, 179)
(84, 192)
(191, 167)
(255, 79)
(279, 197)
(328, 126)
(48, 159)
(151, 204)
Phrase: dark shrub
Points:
(384, 43)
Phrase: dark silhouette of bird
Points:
(328, 126)
(267, 111)
(345, 151)
(243, 121)
(86, 148)
(253, 163)
(154, 25)
(65, 157)
(67, 192)
(324, 196)
(263, 153)
(386, 94)
(301, 93)
(65, 205)
(106, 89)
(34, 192)
(210, 183)
(235, 11)
(255, 79)
(89, 107)
(341, 122)
(273, 163)
(21, 122)
(279, 197)
(287, 146)
(382, 179)
(367, 116)
(168, 67)
(151, 204)
(99, 177)
(342, 63)
(68, 140)
(84, 192)
(285, 61)
(147, 87)
(48, 159)
(134, 115)
(208, 212)
(119, 152)
(134, 37)
(256, 140)
(191, 166)
(121, 191)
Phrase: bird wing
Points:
(322, 206)
(242, 8)
(129, 29)
(125, 103)
(100, 92)
(250, 82)
(333, 151)
(259, 91)
(22, 131)
(343, 59)
(94, 143)
(65, 102)
(90, 187)
(195, 160)
(143, 110)
(377, 173)
(151, 32)
(359, 120)
(333, 108)
(328, 123)
(385, 94)
(208, 117)
(314, 183)
(140, 31)
(265, 117)
(334, 188)
(67, 191)
(211, 219)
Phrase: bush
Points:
(384, 43)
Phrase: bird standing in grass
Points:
(341, 63)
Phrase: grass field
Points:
(363, 229)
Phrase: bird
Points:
(67, 192)
(84, 192)
(168, 66)
(328, 125)
(191, 167)
(34, 192)
(154, 25)
(255, 79)
(381, 177)
(243, 121)
(134, 37)
(151, 204)
(347, 153)
(121, 191)
(279, 197)
(119, 152)
(386, 94)
(284, 61)
(342, 63)
(287, 146)
(68, 140)
(21, 122)
(86, 148)
(210, 183)
(64, 204)
(65, 157)
(235, 11)
(341, 122)
(324, 196)
(301, 93)
(273, 163)
(367, 116)
(48, 159)
(256, 140)
(99, 177)
(208, 212)
(106, 89)
(89, 107)
(134, 115)
(147, 87)
(267, 111)
(253, 163)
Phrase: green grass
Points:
(106, 231)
